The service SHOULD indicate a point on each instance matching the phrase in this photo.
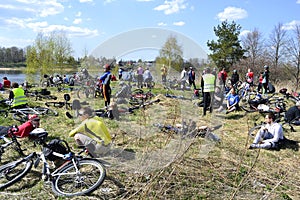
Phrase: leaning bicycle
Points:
(75, 175)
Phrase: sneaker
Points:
(252, 146)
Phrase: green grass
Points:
(169, 167)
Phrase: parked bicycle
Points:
(75, 176)
(10, 140)
(21, 114)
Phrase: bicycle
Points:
(89, 89)
(21, 114)
(75, 176)
(5, 135)
(139, 97)
(61, 104)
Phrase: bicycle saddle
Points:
(39, 134)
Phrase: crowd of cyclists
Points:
(95, 130)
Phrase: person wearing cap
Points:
(28, 126)
(17, 96)
(92, 133)
(106, 90)
(269, 136)
(192, 77)
(292, 115)
(209, 81)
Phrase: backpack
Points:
(55, 145)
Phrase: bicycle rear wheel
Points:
(70, 182)
(252, 132)
(46, 111)
(13, 172)
(21, 117)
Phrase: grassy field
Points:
(159, 165)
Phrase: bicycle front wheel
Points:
(13, 172)
(72, 182)
(45, 111)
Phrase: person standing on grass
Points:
(265, 81)
(106, 90)
(192, 77)
(164, 72)
(269, 136)
(140, 78)
(209, 81)
(183, 78)
(222, 75)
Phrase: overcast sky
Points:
(89, 23)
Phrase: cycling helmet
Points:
(106, 66)
(33, 117)
(38, 134)
(266, 67)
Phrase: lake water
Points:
(13, 75)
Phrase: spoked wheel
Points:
(252, 132)
(13, 172)
(70, 182)
(21, 117)
(46, 111)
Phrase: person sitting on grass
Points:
(269, 136)
(92, 133)
(233, 100)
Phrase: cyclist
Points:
(106, 90)
(234, 77)
(269, 136)
(92, 133)
(25, 128)
(6, 82)
(192, 77)
(147, 77)
(17, 96)
(233, 100)
(292, 115)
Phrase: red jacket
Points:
(24, 129)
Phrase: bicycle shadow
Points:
(111, 188)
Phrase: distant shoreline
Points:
(12, 69)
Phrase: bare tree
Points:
(278, 39)
(293, 48)
(254, 45)
(171, 52)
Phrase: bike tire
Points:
(55, 104)
(46, 111)
(247, 107)
(252, 132)
(83, 93)
(21, 117)
(13, 172)
(91, 170)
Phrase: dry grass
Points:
(167, 166)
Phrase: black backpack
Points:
(55, 145)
